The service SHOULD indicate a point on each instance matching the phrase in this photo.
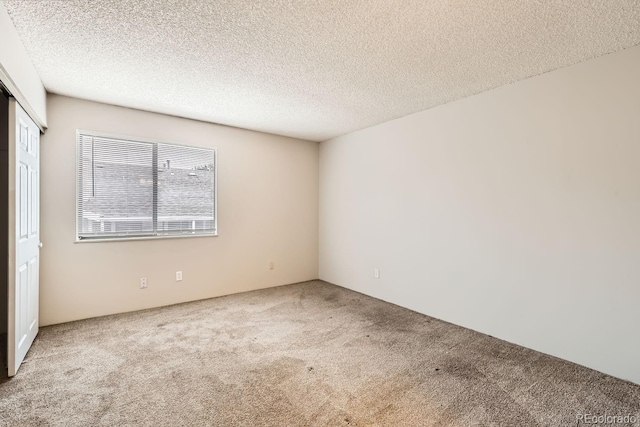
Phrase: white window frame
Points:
(82, 132)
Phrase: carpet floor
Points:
(309, 354)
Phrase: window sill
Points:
(127, 239)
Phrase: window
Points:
(130, 188)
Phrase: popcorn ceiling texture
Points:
(308, 69)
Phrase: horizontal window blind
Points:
(128, 188)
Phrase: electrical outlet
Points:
(271, 265)
(376, 273)
(178, 276)
(143, 283)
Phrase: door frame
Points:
(4, 228)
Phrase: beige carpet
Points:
(299, 355)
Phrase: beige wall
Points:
(267, 211)
(515, 212)
(18, 73)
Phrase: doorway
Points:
(4, 229)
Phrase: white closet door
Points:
(24, 234)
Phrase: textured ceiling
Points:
(308, 69)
